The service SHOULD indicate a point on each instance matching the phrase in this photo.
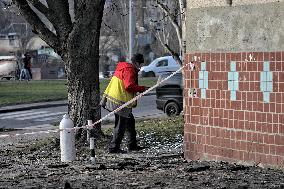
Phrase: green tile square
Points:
(201, 75)
(233, 95)
(266, 66)
(269, 76)
(262, 86)
(266, 96)
(230, 85)
(203, 93)
(230, 76)
(201, 83)
(269, 86)
(236, 76)
(263, 76)
(205, 84)
(233, 66)
(205, 74)
(203, 66)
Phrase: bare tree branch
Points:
(41, 7)
(60, 19)
(49, 37)
(172, 19)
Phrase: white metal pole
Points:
(92, 145)
(131, 28)
(67, 139)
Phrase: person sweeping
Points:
(122, 88)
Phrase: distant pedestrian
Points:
(26, 71)
(122, 88)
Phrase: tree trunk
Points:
(78, 45)
(82, 67)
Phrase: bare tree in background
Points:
(11, 21)
(177, 18)
(116, 20)
(76, 40)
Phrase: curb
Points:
(22, 107)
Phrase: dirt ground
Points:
(34, 162)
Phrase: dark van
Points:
(170, 94)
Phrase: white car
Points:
(159, 66)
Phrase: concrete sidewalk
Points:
(22, 107)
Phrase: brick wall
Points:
(236, 114)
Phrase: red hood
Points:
(123, 65)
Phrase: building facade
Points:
(234, 99)
(9, 43)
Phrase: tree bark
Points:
(82, 63)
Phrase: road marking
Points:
(50, 118)
(13, 113)
(41, 115)
(20, 114)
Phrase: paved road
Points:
(43, 116)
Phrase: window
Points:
(11, 42)
(162, 63)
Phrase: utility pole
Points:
(131, 28)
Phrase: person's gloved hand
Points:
(146, 88)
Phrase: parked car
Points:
(169, 95)
(159, 66)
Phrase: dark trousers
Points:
(123, 124)
(30, 72)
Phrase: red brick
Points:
(207, 57)
(213, 57)
(253, 126)
(272, 56)
(279, 150)
(271, 139)
(266, 107)
(275, 128)
(195, 119)
(272, 108)
(280, 161)
(278, 56)
(279, 140)
(190, 57)
(269, 127)
(274, 160)
(244, 56)
(281, 76)
(243, 146)
(272, 149)
(266, 56)
(259, 148)
(238, 56)
(273, 66)
(263, 159)
(266, 149)
(278, 67)
(257, 158)
(233, 56)
(252, 156)
(254, 137)
(278, 108)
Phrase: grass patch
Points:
(15, 92)
(154, 131)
